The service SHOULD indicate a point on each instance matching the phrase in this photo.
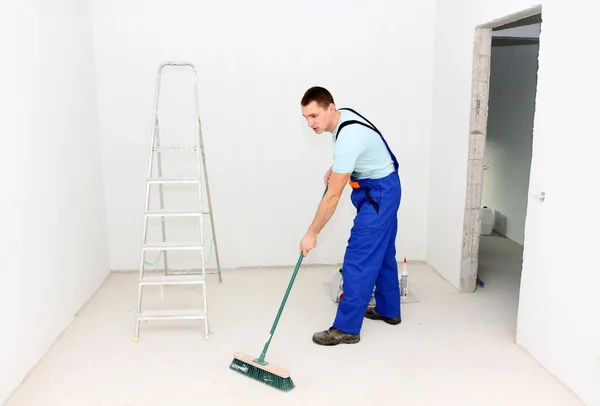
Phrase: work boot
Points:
(333, 336)
(373, 315)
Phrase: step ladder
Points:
(168, 277)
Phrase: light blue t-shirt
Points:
(360, 150)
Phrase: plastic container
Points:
(404, 280)
(336, 286)
(487, 220)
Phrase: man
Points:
(363, 159)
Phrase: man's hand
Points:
(327, 176)
(308, 242)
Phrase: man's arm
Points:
(329, 202)
(347, 149)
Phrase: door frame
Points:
(480, 87)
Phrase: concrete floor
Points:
(500, 264)
(451, 349)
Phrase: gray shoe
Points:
(373, 315)
(333, 336)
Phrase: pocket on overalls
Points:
(371, 200)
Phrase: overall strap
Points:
(349, 122)
(363, 117)
(372, 127)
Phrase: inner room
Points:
(507, 163)
(283, 203)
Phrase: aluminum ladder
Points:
(162, 248)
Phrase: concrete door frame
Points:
(482, 51)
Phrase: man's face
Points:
(318, 118)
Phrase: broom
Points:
(257, 368)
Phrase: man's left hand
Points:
(308, 242)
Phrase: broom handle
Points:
(261, 359)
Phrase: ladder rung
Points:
(172, 280)
(173, 180)
(171, 246)
(175, 149)
(172, 213)
(171, 315)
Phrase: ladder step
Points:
(171, 246)
(173, 213)
(171, 315)
(172, 280)
(173, 180)
(175, 149)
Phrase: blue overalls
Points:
(370, 258)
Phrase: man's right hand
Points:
(327, 176)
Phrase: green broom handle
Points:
(261, 359)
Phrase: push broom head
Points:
(268, 374)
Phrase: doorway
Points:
(508, 32)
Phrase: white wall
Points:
(265, 165)
(528, 31)
(53, 244)
(509, 136)
(558, 312)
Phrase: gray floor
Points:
(500, 264)
(451, 349)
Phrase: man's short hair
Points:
(318, 94)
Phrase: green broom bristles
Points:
(254, 371)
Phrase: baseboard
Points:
(256, 267)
